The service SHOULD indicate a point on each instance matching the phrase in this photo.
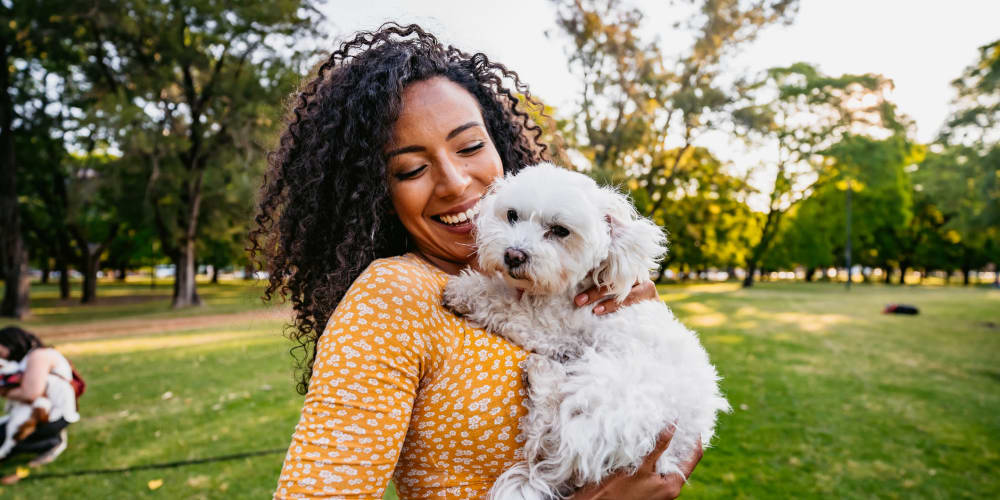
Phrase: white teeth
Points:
(461, 216)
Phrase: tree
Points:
(801, 114)
(703, 210)
(972, 138)
(635, 99)
(184, 85)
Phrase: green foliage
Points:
(824, 128)
(186, 94)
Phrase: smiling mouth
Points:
(459, 218)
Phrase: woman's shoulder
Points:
(406, 272)
(47, 355)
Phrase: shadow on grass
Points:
(162, 465)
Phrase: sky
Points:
(922, 45)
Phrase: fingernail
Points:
(581, 299)
(599, 309)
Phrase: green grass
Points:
(830, 397)
(136, 299)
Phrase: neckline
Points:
(426, 264)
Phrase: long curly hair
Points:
(324, 212)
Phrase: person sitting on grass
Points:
(38, 361)
(364, 215)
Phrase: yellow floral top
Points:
(403, 388)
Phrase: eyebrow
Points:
(451, 135)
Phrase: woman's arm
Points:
(38, 365)
(357, 410)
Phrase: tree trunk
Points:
(17, 284)
(888, 276)
(89, 259)
(185, 292)
(121, 273)
(63, 279)
(965, 276)
(46, 269)
(810, 272)
(13, 254)
(748, 279)
(215, 275)
(90, 262)
(185, 286)
(248, 272)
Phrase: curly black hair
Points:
(324, 212)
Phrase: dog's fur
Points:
(601, 388)
(21, 418)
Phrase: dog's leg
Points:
(19, 414)
(464, 293)
(485, 300)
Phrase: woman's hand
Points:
(643, 290)
(646, 483)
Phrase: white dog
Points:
(601, 388)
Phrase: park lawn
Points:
(830, 398)
(136, 299)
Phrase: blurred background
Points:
(790, 149)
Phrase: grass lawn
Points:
(830, 397)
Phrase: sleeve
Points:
(368, 365)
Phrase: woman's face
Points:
(4, 352)
(440, 161)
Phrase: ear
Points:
(637, 244)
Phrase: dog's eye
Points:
(559, 231)
(511, 216)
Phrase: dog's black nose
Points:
(514, 258)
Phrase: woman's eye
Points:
(511, 216)
(472, 149)
(410, 174)
(559, 231)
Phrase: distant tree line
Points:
(135, 133)
(826, 141)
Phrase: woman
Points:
(38, 363)
(364, 215)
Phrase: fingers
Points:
(662, 443)
(590, 295)
(688, 467)
(643, 290)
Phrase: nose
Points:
(514, 258)
(453, 179)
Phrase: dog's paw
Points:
(454, 300)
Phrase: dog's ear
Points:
(637, 244)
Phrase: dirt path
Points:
(128, 327)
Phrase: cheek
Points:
(407, 200)
(490, 166)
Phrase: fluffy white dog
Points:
(601, 388)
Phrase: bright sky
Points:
(920, 44)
